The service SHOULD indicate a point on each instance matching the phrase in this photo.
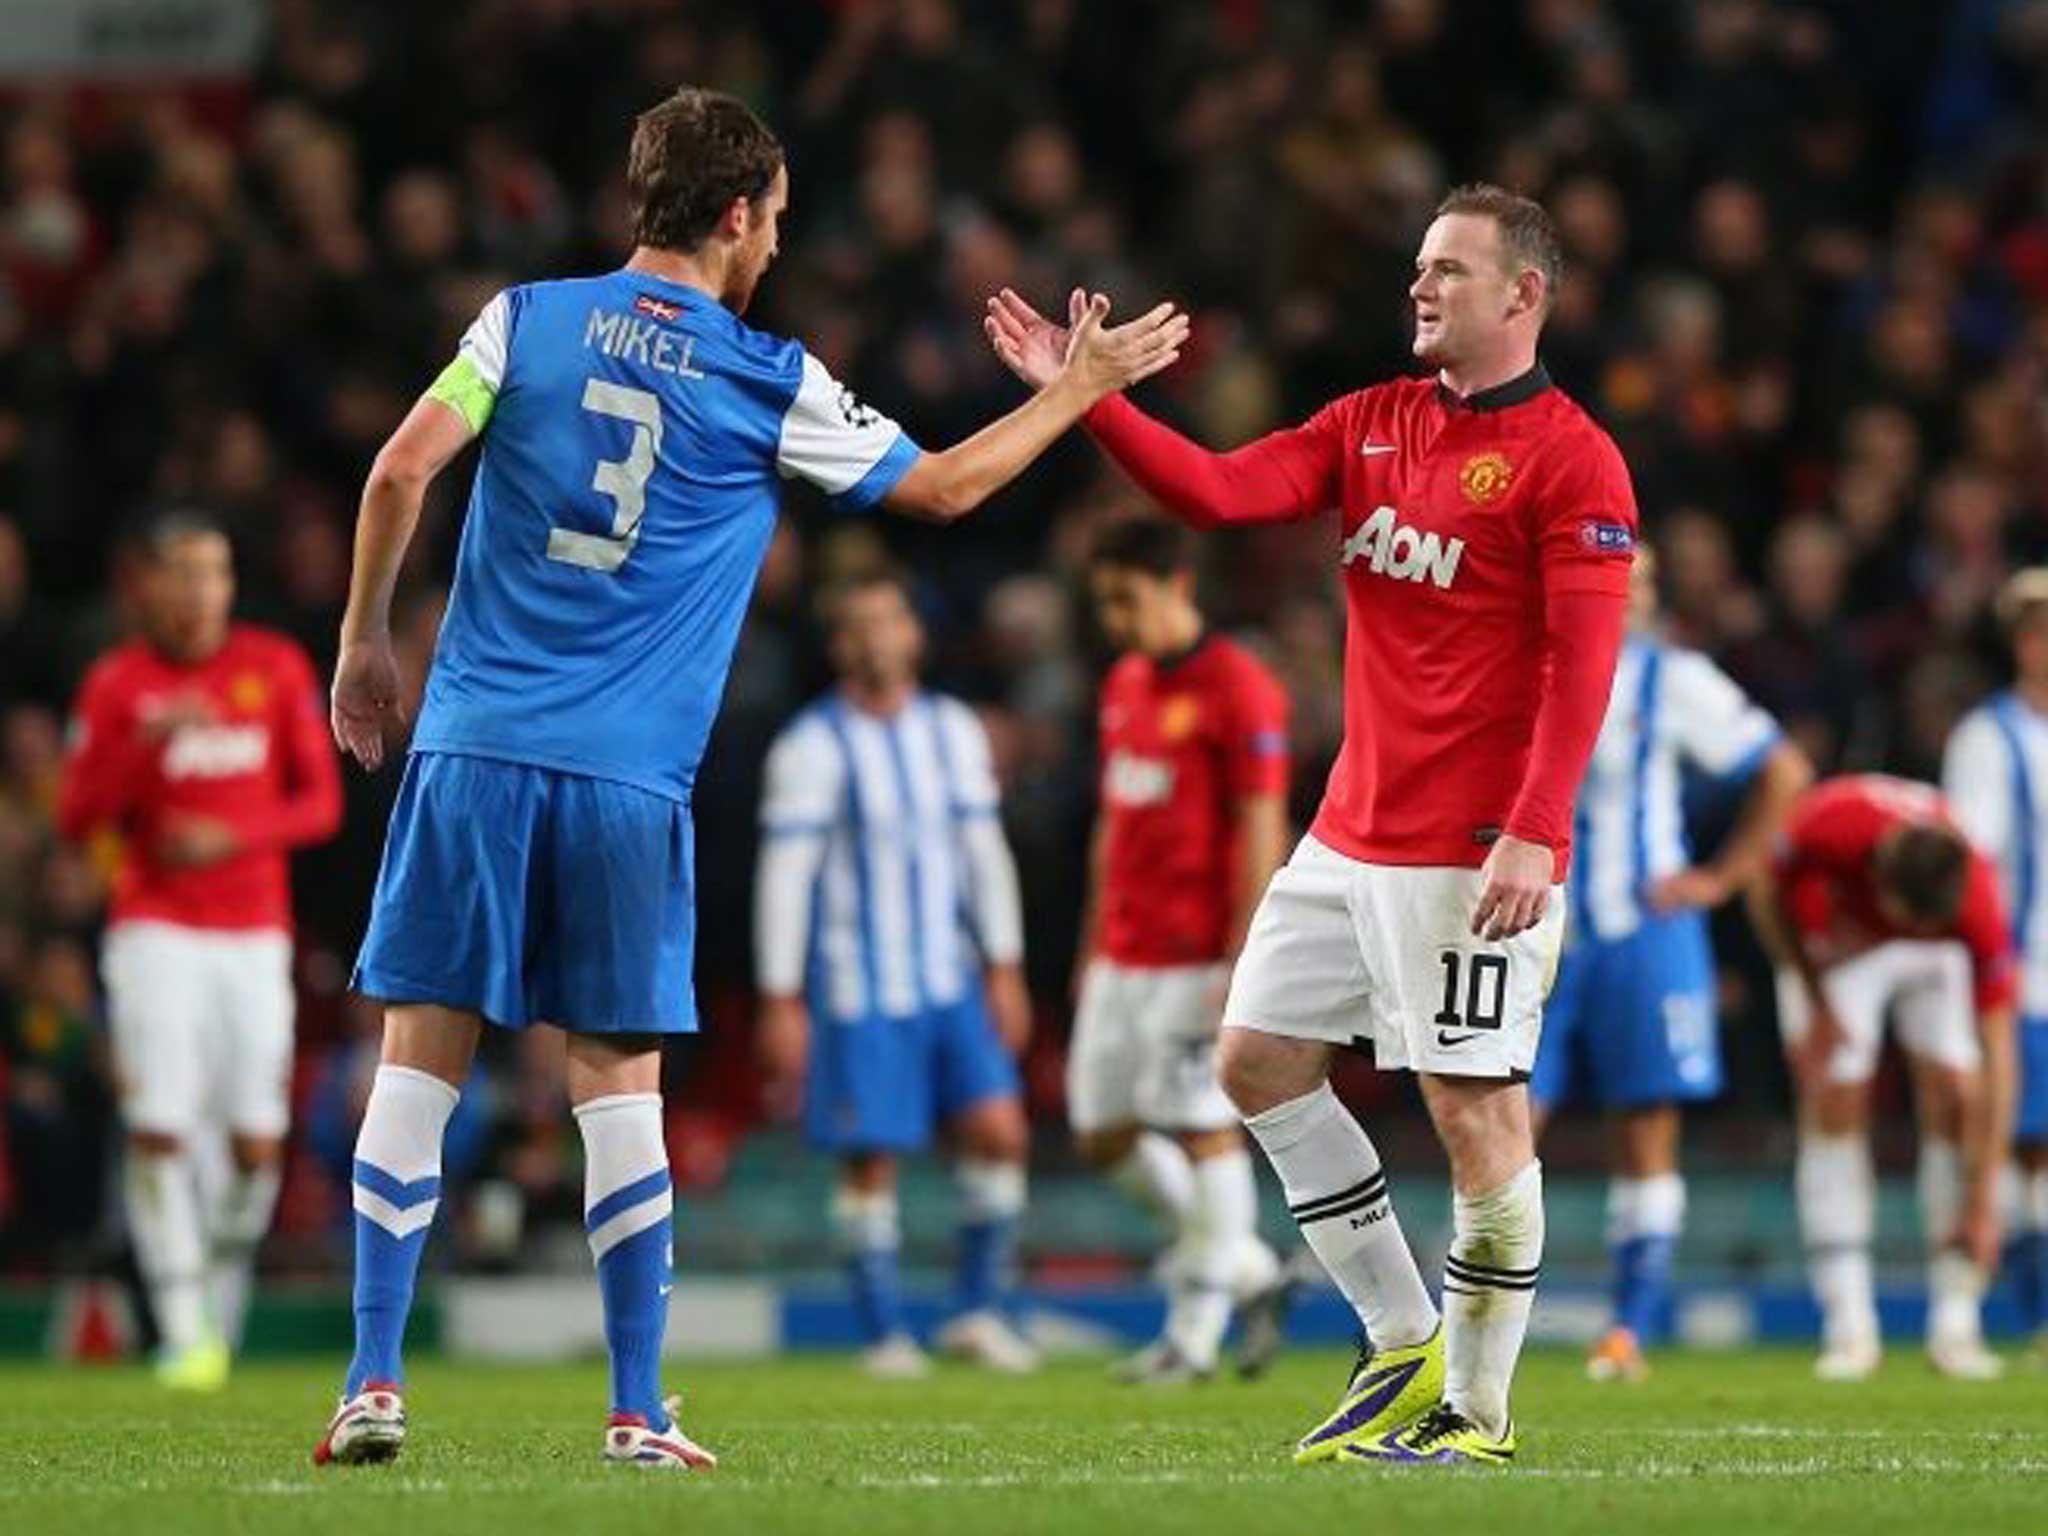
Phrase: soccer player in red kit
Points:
(1487, 530)
(1878, 906)
(203, 747)
(1193, 822)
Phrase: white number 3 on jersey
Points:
(624, 480)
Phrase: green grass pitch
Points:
(1715, 1443)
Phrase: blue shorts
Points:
(1631, 1022)
(531, 896)
(2031, 1123)
(883, 1085)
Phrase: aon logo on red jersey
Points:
(216, 751)
(1389, 549)
(1133, 780)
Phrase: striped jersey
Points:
(884, 882)
(1995, 775)
(1672, 709)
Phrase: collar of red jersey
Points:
(1524, 386)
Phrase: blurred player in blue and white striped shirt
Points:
(889, 941)
(1630, 1028)
(1995, 774)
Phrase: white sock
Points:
(1652, 1207)
(170, 1243)
(240, 1219)
(1489, 1288)
(1158, 1174)
(1338, 1196)
(2036, 1187)
(1221, 1223)
(1955, 1290)
(1837, 1198)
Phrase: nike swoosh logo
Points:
(1447, 1039)
(1372, 448)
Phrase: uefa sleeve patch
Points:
(1604, 538)
(1269, 744)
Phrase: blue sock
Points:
(628, 1210)
(992, 1198)
(1642, 1284)
(397, 1190)
(877, 1293)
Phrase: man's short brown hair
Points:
(1527, 237)
(692, 155)
(1926, 868)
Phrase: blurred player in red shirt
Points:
(1487, 529)
(1193, 822)
(1877, 905)
(203, 747)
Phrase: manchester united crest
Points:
(249, 692)
(1178, 717)
(1485, 476)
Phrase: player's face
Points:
(1139, 611)
(877, 641)
(2030, 645)
(189, 593)
(759, 245)
(1463, 291)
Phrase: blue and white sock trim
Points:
(398, 1206)
(628, 1211)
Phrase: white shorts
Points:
(202, 1028)
(1923, 984)
(1383, 954)
(1144, 1049)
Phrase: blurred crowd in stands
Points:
(1808, 292)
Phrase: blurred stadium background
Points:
(1808, 293)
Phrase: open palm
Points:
(1030, 345)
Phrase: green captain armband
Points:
(463, 390)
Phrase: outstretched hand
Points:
(1100, 358)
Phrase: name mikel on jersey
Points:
(1389, 549)
(633, 340)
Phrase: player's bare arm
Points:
(1987, 1134)
(1276, 478)
(366, 673)
(1009, 1005)
(782, 1043)
(1784, 776)
(1783, 944)
(1096, 360)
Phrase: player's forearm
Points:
(951, 483)
(97, 789)
(1207, 489)
(307, 816)
(1784, 777)
(1991, 1144)
(1582, 637)
(1779, 935)
(389, 513)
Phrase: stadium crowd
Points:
(1807, 291)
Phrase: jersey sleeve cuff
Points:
(880, 480)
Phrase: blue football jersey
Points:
(634, 434)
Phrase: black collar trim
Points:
(1526, 386)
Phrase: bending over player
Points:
(1631, 1027)
(538, 867)
(880, 814)
(201, 745)
(1996, 775)
(1487, 525)
(1193, 822)
(1878, 905)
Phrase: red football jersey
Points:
(1482, 538)
(258, 758)
(1181, 745)
(1829, 893)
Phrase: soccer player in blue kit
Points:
(1631, 1026)
(538, 864)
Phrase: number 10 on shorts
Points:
(1480, 982)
